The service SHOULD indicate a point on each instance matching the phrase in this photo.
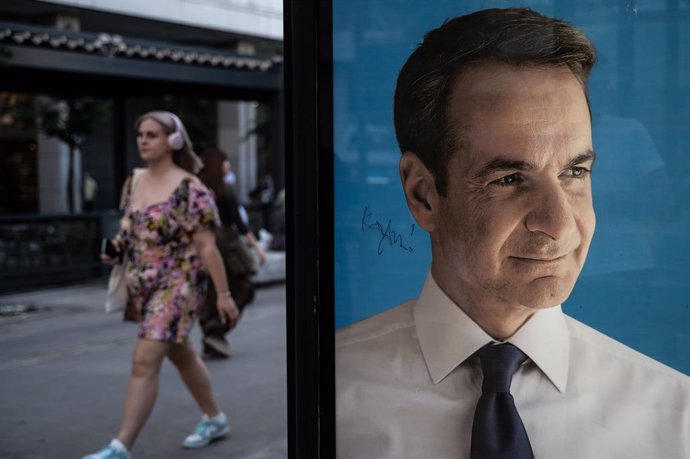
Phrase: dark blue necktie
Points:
(497, 431)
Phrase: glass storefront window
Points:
(18, 154)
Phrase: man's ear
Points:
(420, 190)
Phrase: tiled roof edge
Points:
(121, 47)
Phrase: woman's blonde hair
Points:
(185, 156)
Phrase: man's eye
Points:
(577, 172)
(512, 179)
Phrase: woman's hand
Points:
(227, 309)
(109, 260)
(261, 255)
(257, 247)
(205, 242)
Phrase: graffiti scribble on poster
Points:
(387, 235)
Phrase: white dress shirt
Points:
(407, 385)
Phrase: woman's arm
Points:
(119, 240)
(254, 243)
(229, 206)
(205, 243)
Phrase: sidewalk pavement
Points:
(65, 368)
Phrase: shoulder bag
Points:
(117, 296)
(237, 256)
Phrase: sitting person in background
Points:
(278, 223)
(263, 195)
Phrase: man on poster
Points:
(493, 121)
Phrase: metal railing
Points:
(40, 250)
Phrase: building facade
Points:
(75, 75)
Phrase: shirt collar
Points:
(448, 336)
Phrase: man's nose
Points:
(551, 213)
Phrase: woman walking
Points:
(216, 168)
(167, 237)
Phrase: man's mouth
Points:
(539, 259)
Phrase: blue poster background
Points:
(635, 285)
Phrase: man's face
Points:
(515, 225)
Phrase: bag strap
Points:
(129, 186)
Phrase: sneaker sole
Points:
(214, 356)
(214, 437)
(223, 349)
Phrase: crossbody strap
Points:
(129, 186)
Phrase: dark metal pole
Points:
(309, 192)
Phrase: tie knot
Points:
(499, 363)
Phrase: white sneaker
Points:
(113, 451)
(206, 431)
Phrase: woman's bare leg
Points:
(142, 389)
(195, 376)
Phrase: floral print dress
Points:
(165, 276)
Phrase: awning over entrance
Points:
(105, 56)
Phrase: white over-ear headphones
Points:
(175, 140)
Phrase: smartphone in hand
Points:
(108, 248)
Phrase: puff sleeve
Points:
(197, 208)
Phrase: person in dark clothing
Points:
(214, 330)
(262, 195)
(278, 223)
